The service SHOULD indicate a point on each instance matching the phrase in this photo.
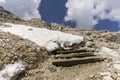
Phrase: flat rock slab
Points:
(75, 61)
(74, 55)
(76, 51)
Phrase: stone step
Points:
(73, 55)
(76, 51)
(76, 61)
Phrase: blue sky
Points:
(55, 11)
(84, 14)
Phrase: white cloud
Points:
(25, 9)
(86, 13)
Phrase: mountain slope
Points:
(98, 51)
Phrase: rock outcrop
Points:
(7, 16)
(14, 48)
(96, 58)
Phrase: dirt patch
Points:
(78, 72)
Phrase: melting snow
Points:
(105, 73)
(43, 37)
(108, 53)
(11, 70)
(116, 66)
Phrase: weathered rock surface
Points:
(7, 16)
(38, 61)
(13, 48)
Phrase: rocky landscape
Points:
(95, 57)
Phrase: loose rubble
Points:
(94, 56)
(14, 48)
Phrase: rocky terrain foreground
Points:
(97, 57)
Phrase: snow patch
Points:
(105, 73)
(49, 39)
(116, 66)
(11, 70)
(108, 53)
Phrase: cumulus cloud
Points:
(25, 9)
(87, 13)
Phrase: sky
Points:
(84, 14)
(25, 9)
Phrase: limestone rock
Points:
(107, 78)
(37, 59)
(13, 48)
